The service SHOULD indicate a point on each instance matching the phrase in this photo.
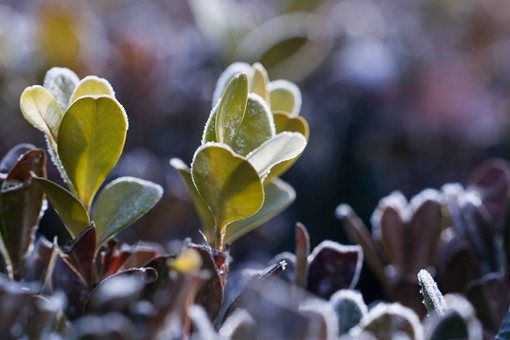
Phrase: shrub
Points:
(90, 286)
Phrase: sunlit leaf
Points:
(205, 215)
(90, 142)
(121, 203)
(231, 108)
(278, 196)
(225, 77)
(284, 122)
(92, 86)
(228, 184)
(285, 96)
(61, 82)
(259, 82)
(41, 110)
(256, 128)
(283, 147)
(71, 211)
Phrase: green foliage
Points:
(278, 195)
(233, 180)
(205, 215)
(90, 142)
(122, 202)
(69, 208)
(92, 86)
(231, 109)
(229, 185)
(86, 129)
(41, 110)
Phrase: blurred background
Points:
(399, 94)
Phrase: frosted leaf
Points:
(61, 82)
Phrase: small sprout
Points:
(432, 297)
(86, 128)
(233, 180)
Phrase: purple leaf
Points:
(333, 267)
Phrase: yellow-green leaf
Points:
(121, 203)
(92, 86)
(231, 108)
(71, 211)
(41, 110)
(204, 213)
(284, 122)
(228, 184)
(259, 81)
(61, 82)
(90, 141)
(283, 147)
(278, 196)
(209, 134)
(230, 71)
(285, 96)
(256, 128)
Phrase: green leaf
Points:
(92, 86)
(256, 128)
(205, 215)
(71, 211)
(61, 82)
(278, 196)
(41, 110)
(228, 74)
(259, 81)
(228, 184)
(283, 147)
(231, 108)
(21, 207)
(285, 96)
(90, 142)
(122, 202)
(284, 122)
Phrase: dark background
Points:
(399, 94)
